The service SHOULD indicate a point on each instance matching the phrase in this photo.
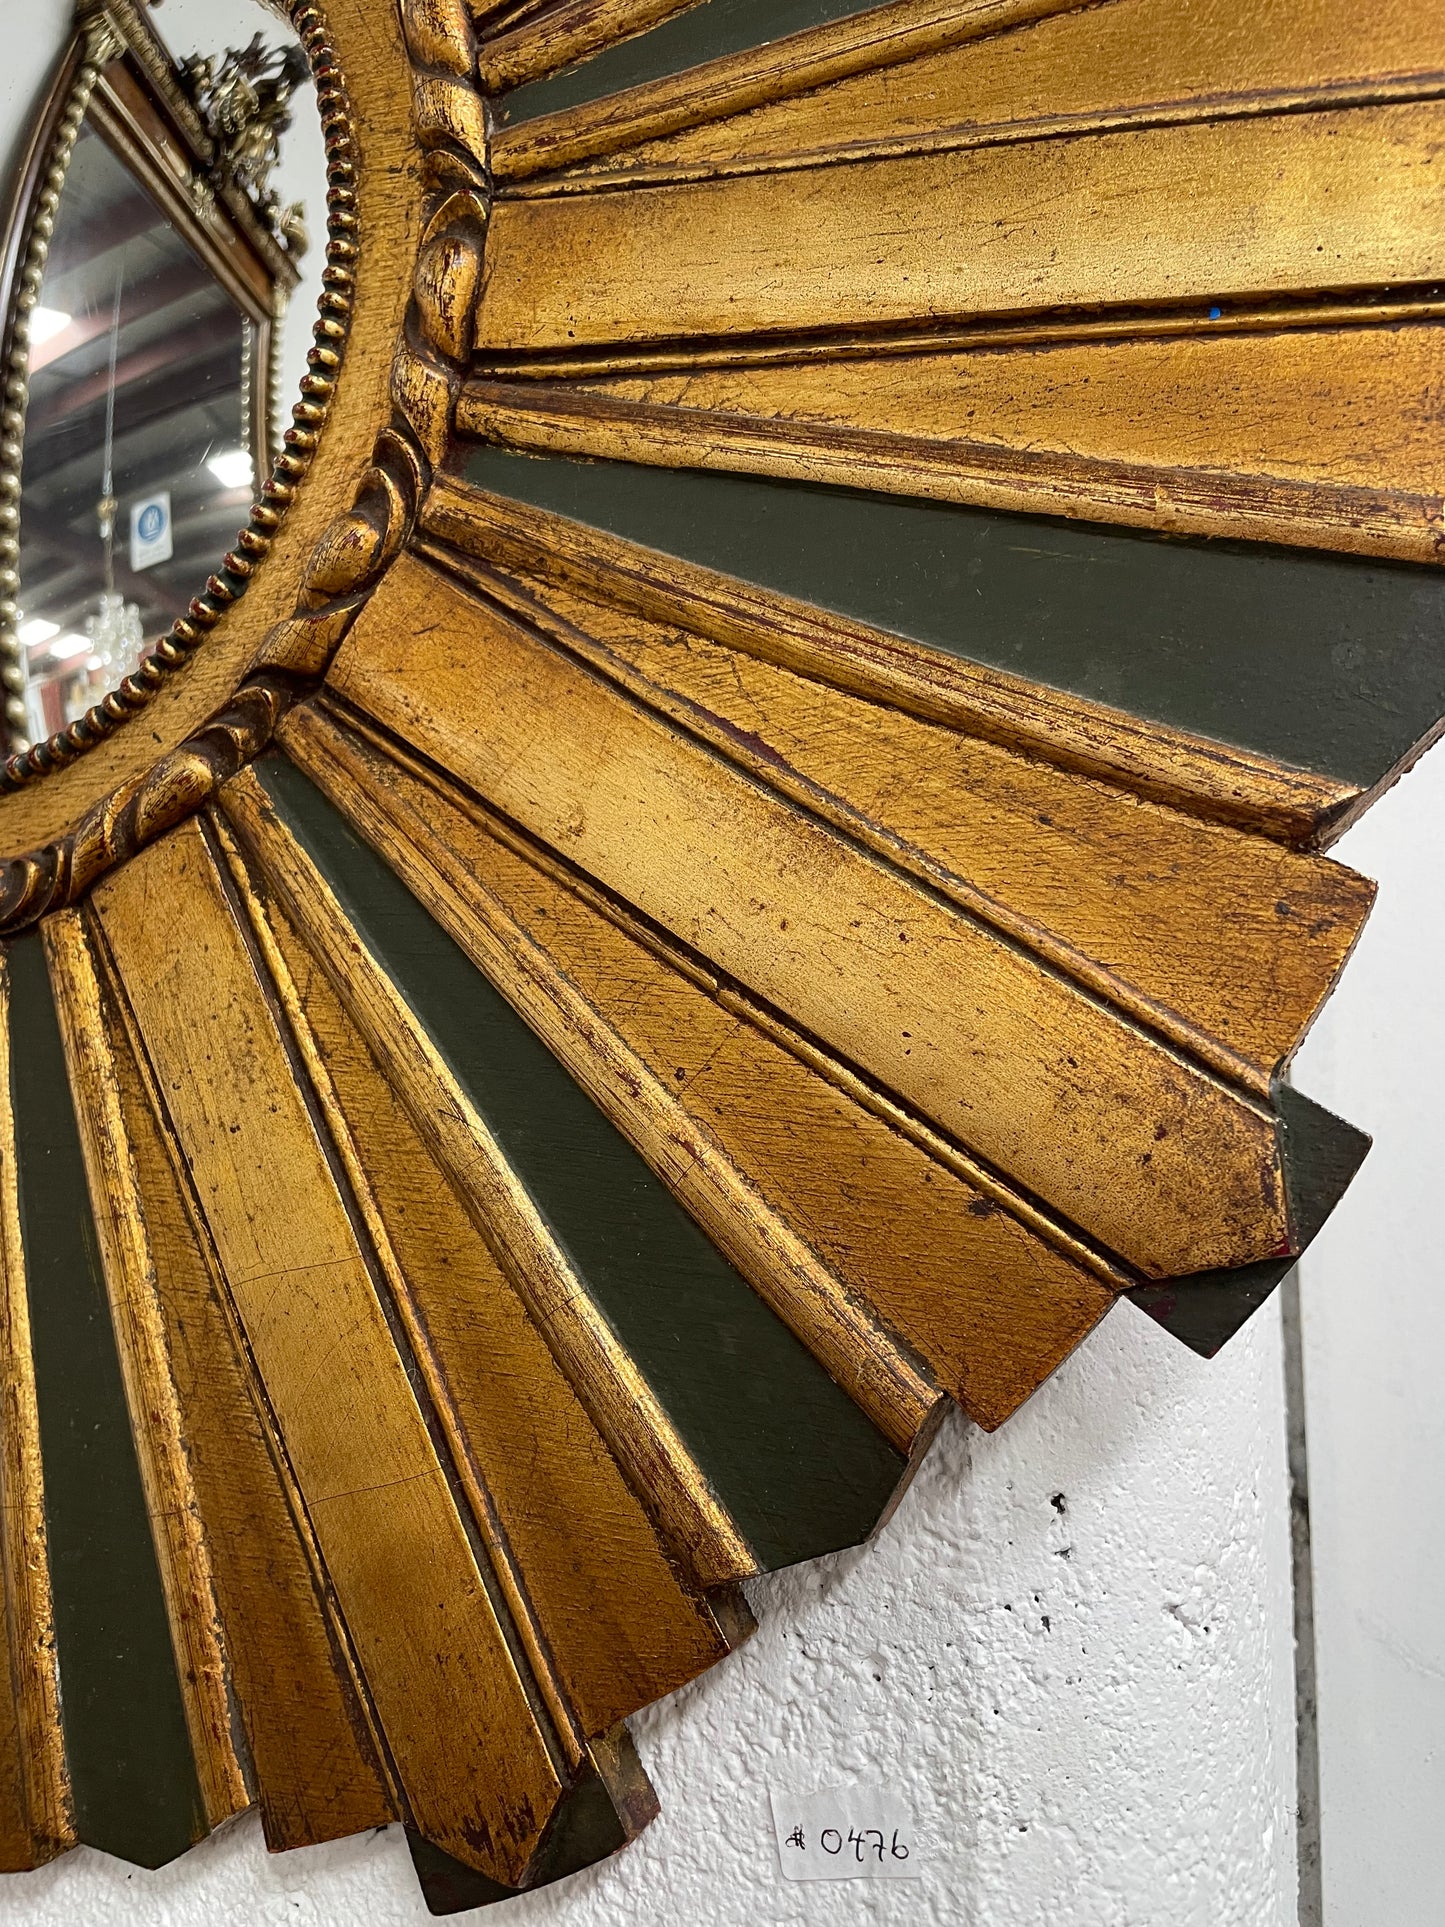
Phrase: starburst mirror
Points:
(732, 855)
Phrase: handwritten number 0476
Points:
(831, 1841)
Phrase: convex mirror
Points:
(152, 263)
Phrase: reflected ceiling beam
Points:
(146, 298)
(57, 585)
(187, 352)
(90, 241)
(162, 447)
(61, 597)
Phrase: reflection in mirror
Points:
(152, 349)
(138, 450)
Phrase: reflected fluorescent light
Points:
(45, 324)
(231, 468)
(67, 648)
(36, 631)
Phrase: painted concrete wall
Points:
(1373, 1313)
(1069, 1650)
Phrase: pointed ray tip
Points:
(1321, 1154)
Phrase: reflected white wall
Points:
(36, 33)
(31, 58)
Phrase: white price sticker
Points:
(845, 1833)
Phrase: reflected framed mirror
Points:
(149, 266)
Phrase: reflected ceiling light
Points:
(37, 630)
(67, 648)
(45, 324)
(231, 468)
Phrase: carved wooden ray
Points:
(762, 871)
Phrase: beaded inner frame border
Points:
(101, 43)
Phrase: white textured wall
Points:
(1373, 1306)
(1126, 1764)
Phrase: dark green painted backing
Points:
(795, 1462)
(1322, 1153)
(584, 1830)
(705, 32)
(131, 1768)
(1326, 662)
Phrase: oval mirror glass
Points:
(158, 345)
